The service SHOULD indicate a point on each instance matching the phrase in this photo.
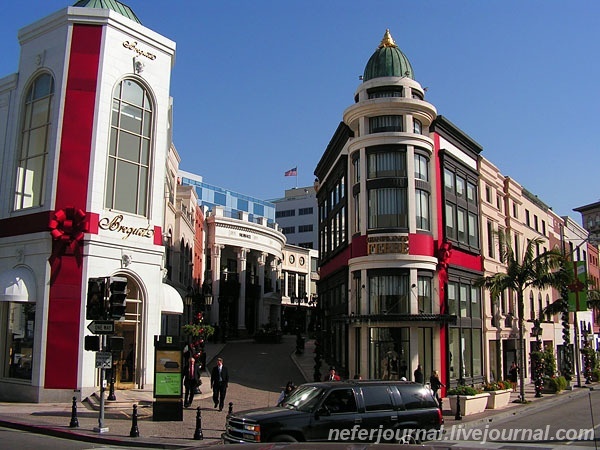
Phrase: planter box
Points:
(498, 399)
(469, 404)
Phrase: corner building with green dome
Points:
(399, 234)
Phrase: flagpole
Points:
(296, 176)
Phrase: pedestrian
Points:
(129, 363)
(289, 388)
(219, 379)
(436, 384)
(191, 380)
(419, 374)
(513, 375)
(332, 376)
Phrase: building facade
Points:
(378, 234)
(298, 217)
(85, 128)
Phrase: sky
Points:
(260, 86)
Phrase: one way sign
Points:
(102, 326)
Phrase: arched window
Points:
(35, 132)
(129, 157)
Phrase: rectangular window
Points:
(291, 284)
(242, 205)
(460, 187)
(288, 230)
(527, 219)
(285, 213)
(490, 240)
(473, 230)
(421, 167)
(452, 298)
(471, 192)
(499, 202)
(259, 209)
(305, 228)
(449, 180)
(488, 194)
(450, 222)
(515, 210)
(387, 208)
(305, 211)
(220, 199)
(461, 225)
(422, 209)
(356, 165)
(384, 124)
(424, 295)
(389, 294)
(387, 164)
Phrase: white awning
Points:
(17, 285)
(170, 301)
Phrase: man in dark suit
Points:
(219, 378)
(191, 380)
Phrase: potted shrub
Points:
(472, 401)
(554, 385)
(499, 394)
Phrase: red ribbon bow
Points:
(67, 228)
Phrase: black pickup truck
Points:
(354, 410)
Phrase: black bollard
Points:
(458, 416)
(135, 432)
(230, 408)
(74, 422)
(198, 433)
(111, 389)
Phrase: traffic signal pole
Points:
(101, 428)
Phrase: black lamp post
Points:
(189, 301)
(537, 366)
(586, 331)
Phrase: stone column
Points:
(262, 260)
(216, 278)
(241, 262)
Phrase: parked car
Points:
(340, 411)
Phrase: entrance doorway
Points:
(128, 363)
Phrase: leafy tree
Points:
(523, 272)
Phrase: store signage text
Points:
(387, 244)
(246, 235)
(114, 224)
(133, 46)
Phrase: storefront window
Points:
(389, 353)
(389, 293)
(19, 339)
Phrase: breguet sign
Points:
(116, 225)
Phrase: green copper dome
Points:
(388, 61)
(113, 5)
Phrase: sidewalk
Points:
(54, 419)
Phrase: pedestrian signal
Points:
(95, 307)
(117, 298)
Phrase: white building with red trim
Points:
(85, 127)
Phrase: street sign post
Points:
(102, 326)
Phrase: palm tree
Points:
(530, 271)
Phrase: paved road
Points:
(266, 367)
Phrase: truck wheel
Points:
(284, 438)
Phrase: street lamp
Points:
(536, 330)
(189, 301)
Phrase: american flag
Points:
(292, 172)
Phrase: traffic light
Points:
(92, 343)
(117, 298)
(95, 308)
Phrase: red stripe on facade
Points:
(420, 244)
(30, 223)
(64, 309)
(466, 260)
(157, 235)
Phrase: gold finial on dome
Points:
(388, 40)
